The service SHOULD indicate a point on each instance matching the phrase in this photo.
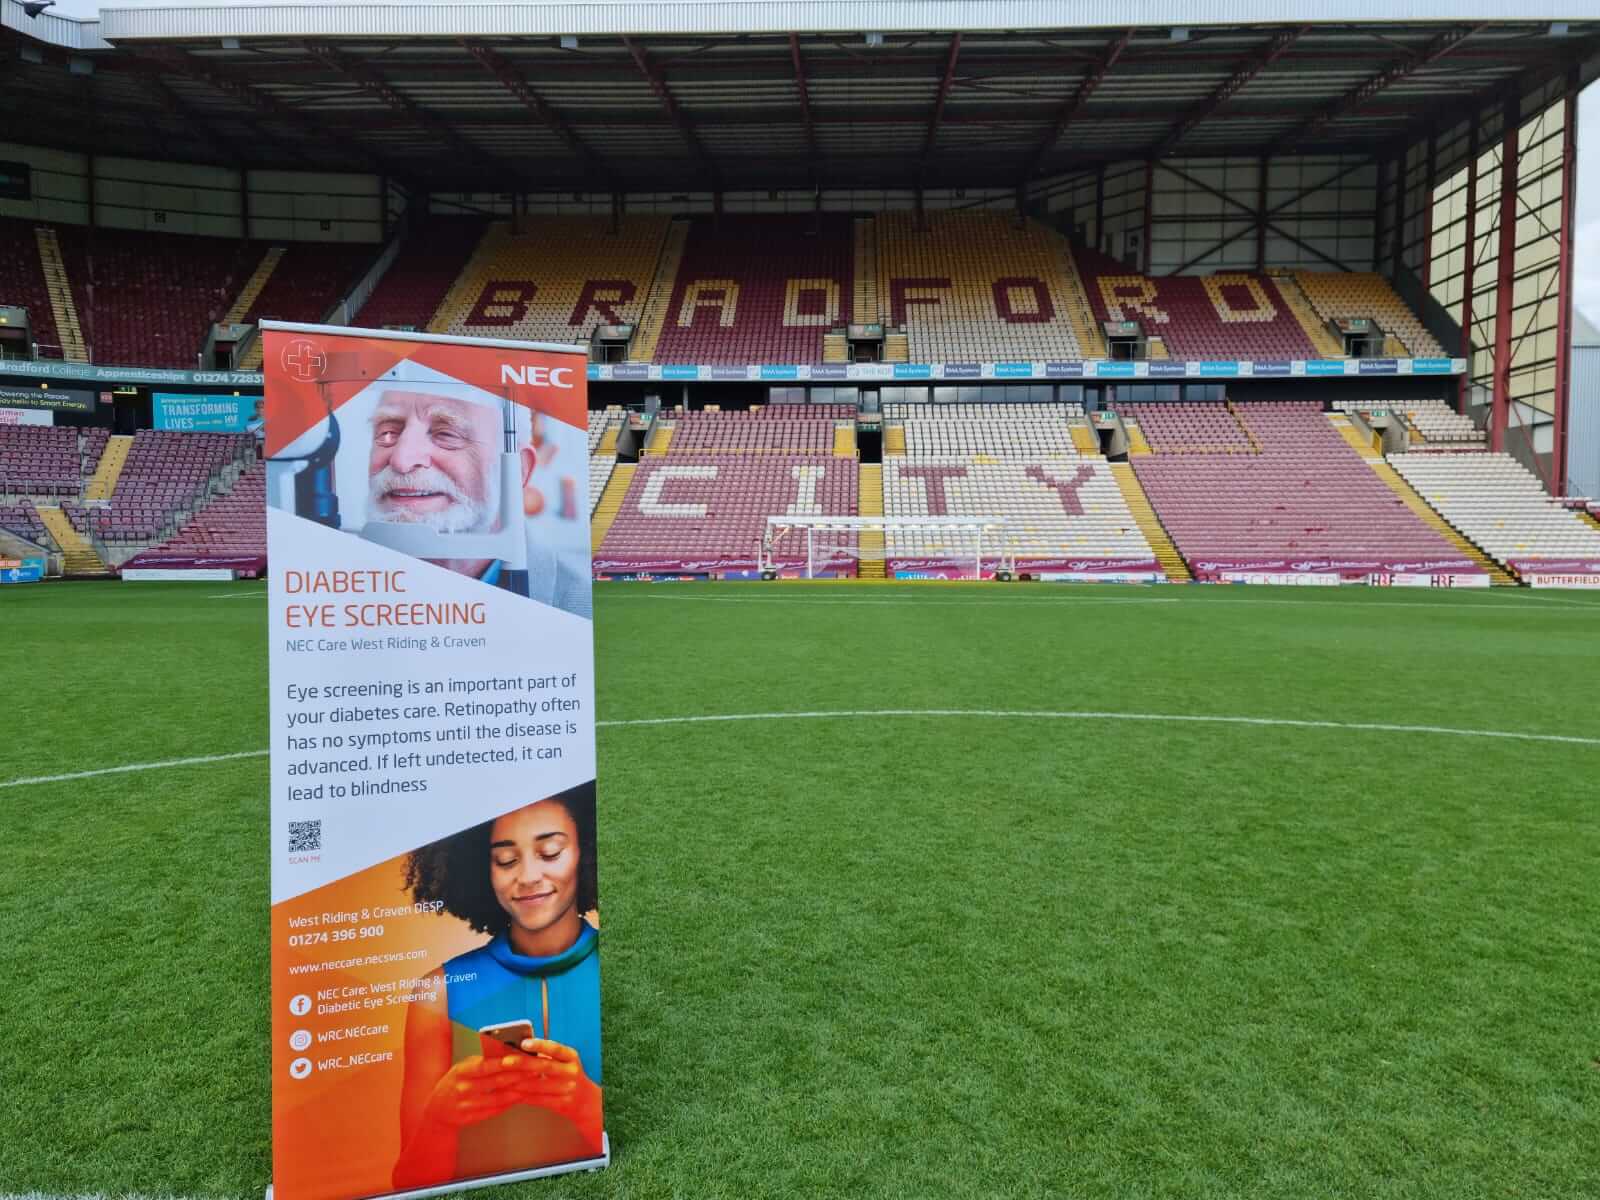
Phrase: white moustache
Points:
(463, 513)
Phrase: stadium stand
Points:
(753, 289)
(150, 298)
(1285, 494)
(1231, 315)
(555, 282)
(973, 287)
(40, 460)
(1014, 461)
(309, 279)
(416, 283)
(1362, 294)
(1436, 422)
(22, 519)
(166, 474)
(22, 283)
(702, 505)
(230, 527)
(1501, 506)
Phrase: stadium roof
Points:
(665, 97)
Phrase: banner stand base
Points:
(446, 1189)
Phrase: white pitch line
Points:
(236, 595)
(880, 713)
(123, 770)
(1048, 715)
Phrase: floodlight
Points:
(1180, 34)
(569, 42)
(874, 39)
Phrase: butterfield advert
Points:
(395, 713)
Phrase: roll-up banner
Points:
(435, 911)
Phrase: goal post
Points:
(818, 545)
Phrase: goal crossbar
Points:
(990, 537)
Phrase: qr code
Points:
(305, 836)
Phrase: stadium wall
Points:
(167, 197)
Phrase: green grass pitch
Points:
(901, 956)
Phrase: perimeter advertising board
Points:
(435, 964)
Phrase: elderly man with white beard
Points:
(435, 462)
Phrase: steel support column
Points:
(1099, 239)
(1149, 207)
(1428, 184)
(1261, 213)
(1505, 269)
(1469, 263)
(1569, 209)
(1397, 227)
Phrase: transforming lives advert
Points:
(435, 910)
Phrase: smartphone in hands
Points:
(496, 1039)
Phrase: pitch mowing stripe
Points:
(856, 714)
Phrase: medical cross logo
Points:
(303, 360)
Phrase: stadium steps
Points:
(1137, 446)
(835, 348)
(251, 292)
(1589, 517)
(1498, 575)
(1238, 419)
(1156, 347)
(1084, 438)
(608, 439)
(103, 483)
(896, 347)
(653, 317)
(464, 292)
(1176, 570)
(62, 306)
(1393, 347)
(1299, 307)
(869, 503)
(77, 555)
(1080, 313)
(660, 438)
(864, 298)
(844, 440)
(610, 503)
(894, 440)
(1351, 434)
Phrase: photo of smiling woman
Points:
(478, 1103)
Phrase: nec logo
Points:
(556, 377)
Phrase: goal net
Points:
(949, 547)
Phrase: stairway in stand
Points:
(610, 504)
(1498, 575)
(653, 317)
(77, 555)
(62, 306)
(1177, 571)
(870, 547)
(109, 469)
(246, 299)
(1354, 436)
